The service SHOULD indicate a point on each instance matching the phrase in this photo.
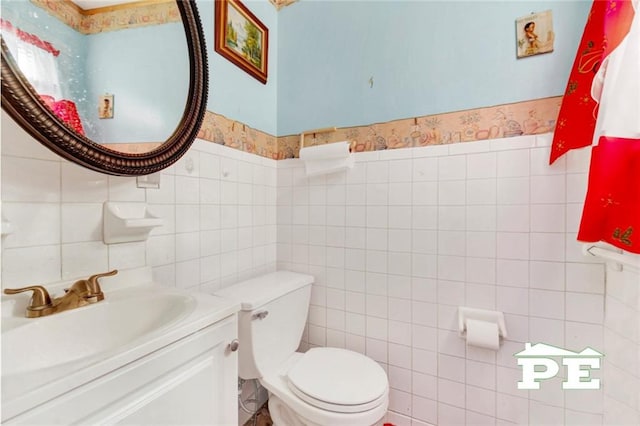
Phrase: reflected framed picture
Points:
(534, 34)
(241, 38)
(105, 106)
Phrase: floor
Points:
(261, 418)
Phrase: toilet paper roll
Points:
(483, 334)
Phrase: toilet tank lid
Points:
(258, 291)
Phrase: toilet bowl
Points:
(327, 386)
(321, 387)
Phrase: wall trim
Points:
(495, 122)
(113, 18)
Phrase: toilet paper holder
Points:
(496, 317)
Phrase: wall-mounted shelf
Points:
(127, 221)
(6, 228)
(614, 259)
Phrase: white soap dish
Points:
(7, 227)
(127, 221)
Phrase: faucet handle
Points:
(40, 298)
(94, 286)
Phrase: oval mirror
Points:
(123, 93)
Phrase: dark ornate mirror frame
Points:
(24, 105)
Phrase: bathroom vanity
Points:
(145, 355)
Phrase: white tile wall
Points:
(219, 215)
(486, 225)
(396, 245)
(622, 347)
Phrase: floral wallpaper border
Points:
(502, 121)
(279, 4)
(134, 147)
(112, 19)
(225, 131)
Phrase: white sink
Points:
(45, 357)
(85, 332)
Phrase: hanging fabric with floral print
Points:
(607, 25)
(612, 206)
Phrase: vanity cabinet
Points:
(190, 381)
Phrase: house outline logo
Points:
(541, 355)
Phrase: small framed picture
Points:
(534, 34)
(241, 38)
(105, 106)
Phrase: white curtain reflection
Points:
(37, 65)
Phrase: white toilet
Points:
(322, 387)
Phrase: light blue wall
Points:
(147, 71)
(425, 57)
(234, 93)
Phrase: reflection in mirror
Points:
(102, 71)
(64, 114)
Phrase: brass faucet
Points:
(81, 293)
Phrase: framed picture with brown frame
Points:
(241, 38)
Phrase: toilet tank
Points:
(273, 314)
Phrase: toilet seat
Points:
(338, 380)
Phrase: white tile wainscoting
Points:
(622, 348)
(218, 207)
(396, 244)
(407, 236)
